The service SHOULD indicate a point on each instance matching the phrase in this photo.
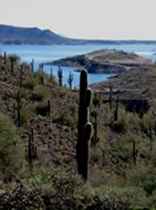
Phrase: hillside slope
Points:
(122, 163)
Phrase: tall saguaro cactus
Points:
(32, 149)
(110, 96)
(60, 76)
(19, 106)
(5, 57)
(116, 112)
(32, 65)
(84, 127)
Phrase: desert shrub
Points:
(133, 123)
(26, 113)
(118, 198)
(52, 80)
(42, 109)
(29, 83)
(152, 200)
(143, 176)
(60, 189)
(40, 77)
(21, 198)
(124, 155)
(99, 152)
(61, 193)
(120, 150)
(40, 93)
(121, 125)
(67, 117)
(149, 183)
(147, 123)
(11, 149)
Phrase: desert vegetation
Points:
(60, 151)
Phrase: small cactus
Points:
(84, 127)
(150, 135)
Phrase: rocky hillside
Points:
(38, 137)
(139, 83)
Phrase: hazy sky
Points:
(100, 19)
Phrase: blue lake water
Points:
(49, 53)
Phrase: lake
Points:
(42, 53)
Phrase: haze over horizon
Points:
(96, 19)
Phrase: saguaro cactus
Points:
(21, 75)
(32, 65)
(116, 109)
(18, 101)
(95, 137)
(84, 127)
(134, 152)
(110, 96)
(14, 59)
(60, 76)
(49, 108)
(32, 151)
(5, 57)
(51, 72)
(30, 143)
(70, 80)
(12, 63)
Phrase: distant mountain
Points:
(24, 35)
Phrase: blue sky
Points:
(93, 19)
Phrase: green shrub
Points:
(121, 125)
(11, 149)
(143, 176)
(29, 83)
(26, 113)
(120, 198)
(40, 77)
(40, 93)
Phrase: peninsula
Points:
(104, 61)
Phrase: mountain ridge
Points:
(10, 34)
